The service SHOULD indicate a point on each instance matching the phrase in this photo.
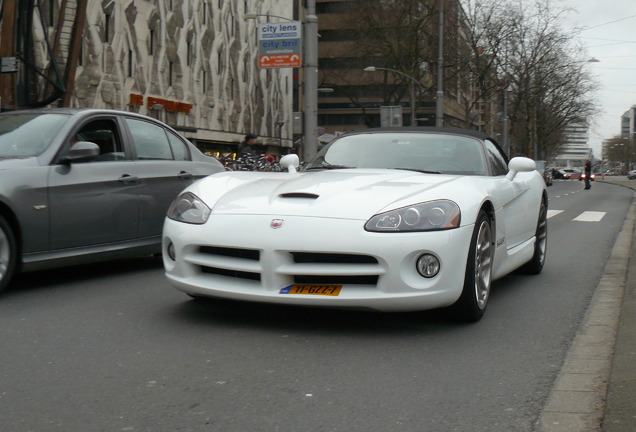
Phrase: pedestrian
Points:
(246, 147)
(588, 174)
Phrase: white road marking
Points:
(589, 216)
(553, 213)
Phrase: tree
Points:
(547, 77)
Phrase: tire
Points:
(478, 278)
(8, 253)
(535, 265)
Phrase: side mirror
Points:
(520, 164)
(290, 162)
(81, 151)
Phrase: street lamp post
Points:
(310, 85)
(439, 96)
(311, 81)
(413, 82)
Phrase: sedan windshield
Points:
(421, 152)
(27, 134)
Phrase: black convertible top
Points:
(424, 129)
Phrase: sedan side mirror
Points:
(81, 151)
(520, 164)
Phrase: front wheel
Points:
(8, 252)
(478, 278)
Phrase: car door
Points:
(164, 169)
(94, 202)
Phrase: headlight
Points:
(189, 208)
(428, 216)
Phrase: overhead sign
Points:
(279, 45)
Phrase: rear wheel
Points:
(478, 278)
(535, 265)
(8, 252)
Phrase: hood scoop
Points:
(302, 195)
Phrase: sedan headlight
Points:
(428, 216)
(189, 208)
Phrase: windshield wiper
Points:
(419, 170)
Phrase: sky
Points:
(607, 28)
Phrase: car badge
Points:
(276, 223)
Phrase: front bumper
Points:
(244, 258)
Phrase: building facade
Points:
(402, 36)
(628, 123)
(190, 63)
(575, 151)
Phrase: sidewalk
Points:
(620, 406)
(596, 388)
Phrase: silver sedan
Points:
(80, 185)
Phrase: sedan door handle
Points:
(185, 175)
(126, 178)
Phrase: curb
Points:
(578, 398)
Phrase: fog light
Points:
(171, 254)
(427, 265)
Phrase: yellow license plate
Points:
(312, 289)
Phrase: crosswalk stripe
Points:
(586, 216)
(589, 216)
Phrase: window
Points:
(496, 159)
(179, 148)
(149, 140)
(105, 134)
(106, 28)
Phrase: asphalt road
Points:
(112, 347)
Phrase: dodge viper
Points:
(397, 219)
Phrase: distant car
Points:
(397, 219)
(567, 174)
(545, 171)
(79, 185)
(631, 175)
(583, 175)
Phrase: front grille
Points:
(230, 262)
(339, 280)
(332, 258)
(231, 273)
(250, 254)
(285, 268)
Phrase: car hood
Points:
(350, 194)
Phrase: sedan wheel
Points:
(7, 253)
(478, 279)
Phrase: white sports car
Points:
(387, 219)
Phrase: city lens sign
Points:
(279, 45)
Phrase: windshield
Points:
(425, 152)
(28, 134)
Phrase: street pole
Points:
(413, 119)
(439, 97)
(310, 144)
(506, 126)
